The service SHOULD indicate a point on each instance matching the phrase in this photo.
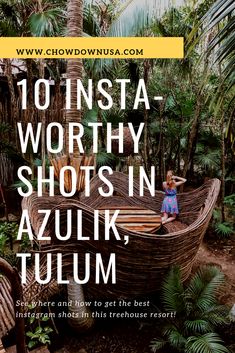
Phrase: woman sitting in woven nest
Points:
(170, 205)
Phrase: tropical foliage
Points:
(220, 21)
(39, 332)
(28, 18)
(198, 313)
(219, 24)
(190, 131)
(187, 131)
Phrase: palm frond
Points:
(105, 159)
(170, 103)
(221, 18)
(230, 129)
(198, 326)
(219, 10)
(173, 291)
(90, 23)
(131, 70)
(175, 337)
(216, 215)
(224, 229)
(230, 199)
(157, 344)
(89, 117)
(9, 22)
(203, 288)
(219, 24)
(208, 343)
(217, 315)
(210, 159)
(46, 23)
(135, 15)
(114, 116)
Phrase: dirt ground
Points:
(221, 254)
(134, 336)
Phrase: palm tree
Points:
(73, 115)
(44, 21)
(219, 23)
(133, 16)
(140, 10)
(126, 18)
(74, 72)
(74, 66)
(220, 18)
(198, 313)
(31, 18)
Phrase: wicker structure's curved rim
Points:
(143, 263)
(199, 201)
(211, 188)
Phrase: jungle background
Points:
(191, 131)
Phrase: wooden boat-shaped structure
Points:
(143, 262)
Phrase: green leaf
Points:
(45, 318)
(198, 326)
(31, 319)
(48, 329)
(203, 288)
(157, 344)
(224, 229)
(230, 199)
(135, 15)
(208, 343)
(105, 159)
(38, 329)
(173, 291)
(45, 23)
(217, 315)
(175, 337)
(219, 23)
(32, 306)
(32, 344)
(44, 338)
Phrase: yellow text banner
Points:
(92, 48)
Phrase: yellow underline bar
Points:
(92, 47)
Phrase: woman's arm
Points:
(178, 180)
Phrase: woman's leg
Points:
(169, 219)
(165, 216)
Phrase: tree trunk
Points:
(74, 72)
(146, 116)
(43, 121)
(146, 140)
(222, 152)
(74, 66)
(160, 149)
(191, 138)
(222, 169)
(30, 109)
(81, 319)
(14, 115)
(57, 102)
(194, 146)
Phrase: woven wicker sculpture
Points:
(33, 291)
(142, 264)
